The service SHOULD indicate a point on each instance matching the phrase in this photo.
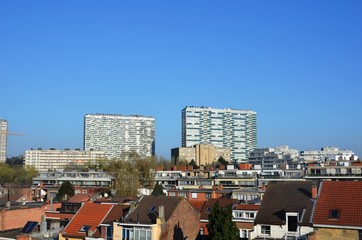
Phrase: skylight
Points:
(334, 214)
(84, 228)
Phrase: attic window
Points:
(334, 214)
(152, 209)
(84, 228)
(208, 210)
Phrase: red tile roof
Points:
(78, 198)
(60, 216)
(344, 196)
(223, 202)
(252, 207)
(89, 214)
(197, 204)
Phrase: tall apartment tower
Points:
(235, 129)
(3, 139)
(118, 135)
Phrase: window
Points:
(244, 233)
(265, 230)
(334, 214)
(142, 234)
(207, 195)
(208, 210)
(194, 195)
(127, 233)
(109, 233)
(202, 231)
(292, 223)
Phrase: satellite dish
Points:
(105, 195)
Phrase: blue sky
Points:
(298, 64)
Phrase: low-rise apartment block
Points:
(202, 154)
(55, 160)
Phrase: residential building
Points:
(337, 213)
(89, 179)
(265, 157)
(3, 139)
(157, 218)
(339, 170)
(57, 160)
(243, 217)
(327, 154)
(223, 128)
(202, 154)
(207, 209)
(286, 210)
(117, 135)
(93, 220)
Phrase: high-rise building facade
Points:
(3, 139)
(228, 128)
(118, 135)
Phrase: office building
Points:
(56, 160)
(223, 128)
(3, 139)
(118, 135)
(202, 154)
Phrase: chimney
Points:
(161, 213)
(314, 190)
(43, 224)
(189, 196)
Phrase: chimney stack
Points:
(314, 190)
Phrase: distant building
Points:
(265, 157)
(89, 179)
(202, 154)
(223, 128)
(45, 160)
(273, 158)
(118, 135)
(327, 153)
(3, 139)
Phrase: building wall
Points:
(183, 223)
(119, 135)
(278, 232)
(333, 234)
(224, 128)
(202, 154)
(3, 139)
(17, 218)
(44, 160)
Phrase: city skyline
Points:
(297, 64)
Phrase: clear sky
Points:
(298, 64)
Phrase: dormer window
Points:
(334, 214)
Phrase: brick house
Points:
(206, 210)
(160, 217)
(337, 212)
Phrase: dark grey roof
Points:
(282, 197)
(147, 210)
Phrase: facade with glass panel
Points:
(223, 128)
